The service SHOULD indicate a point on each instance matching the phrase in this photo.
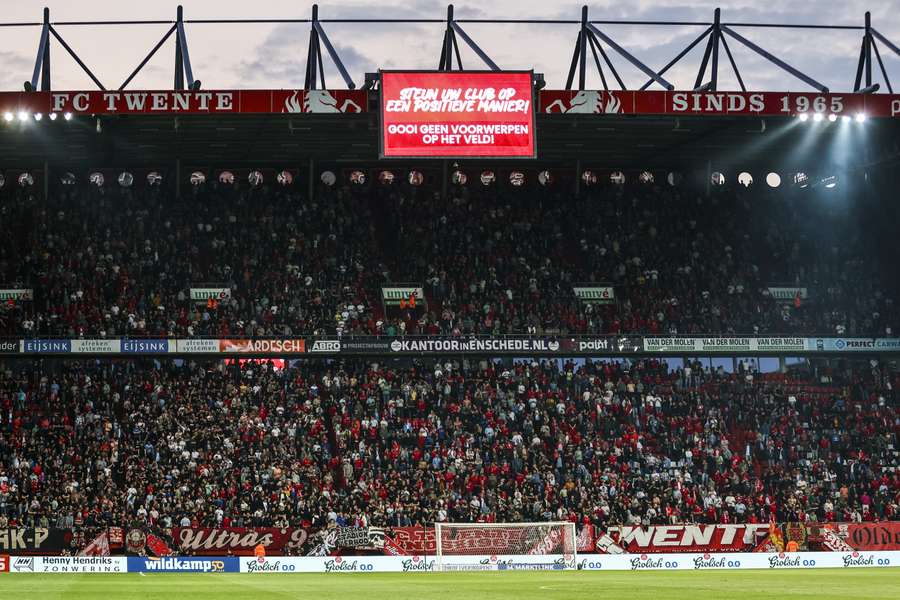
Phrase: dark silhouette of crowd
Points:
(492, 260)
(210, 444)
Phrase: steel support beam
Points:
(78, 60)
(716, 34)
(574, 64)
(867, 45)
(597, 63)
(186, 57)
(884, 74)
(885, 41)
(45, 67)
(680, 55)
(775, 60)
(627, 56)
(148, 57)
(43, 45)
(857, 83)
(475, 48)
(608, 62)
(582, 52)
(737, 73)
(701, 73)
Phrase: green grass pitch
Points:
(703, 585)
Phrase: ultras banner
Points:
(237, 541)
(444, 114)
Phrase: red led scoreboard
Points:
(453, 115)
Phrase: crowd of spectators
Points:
(210, 444)
(494, 260)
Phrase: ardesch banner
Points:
(238, 541)
(297, 346)
(449, 114)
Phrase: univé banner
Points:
(471, 114)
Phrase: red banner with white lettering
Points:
(884, 535)
(237, 541)
(186, 102)
(687, 538)
(452, 115)
(421, 540)
(584, 102)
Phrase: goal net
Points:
(500, 546)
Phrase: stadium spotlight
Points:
(38, 116)
(773, 179)
(67, 116)
(459, 178)
(846, 118)
(830, 182)
(517, 178)
(545, 178)
(801, 179)
(52, 116)
(860, 117)
(415, 178)
(818, 117)
(23, 116)
(717, 178)
(8, 117)
(617, 178)
(804, 117)
(832, 117)
(745, 179)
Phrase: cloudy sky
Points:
(274, 56)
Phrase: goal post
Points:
(501, 546)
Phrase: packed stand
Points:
(208, 444)
(116, 262)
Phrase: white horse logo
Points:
(317, 101)
(589, 103)
(321, 101)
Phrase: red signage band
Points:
(449, 115)
(677, 103)
(689, 103)
(186, 102)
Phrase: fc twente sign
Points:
(547, 102)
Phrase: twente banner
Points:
(546, 102)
